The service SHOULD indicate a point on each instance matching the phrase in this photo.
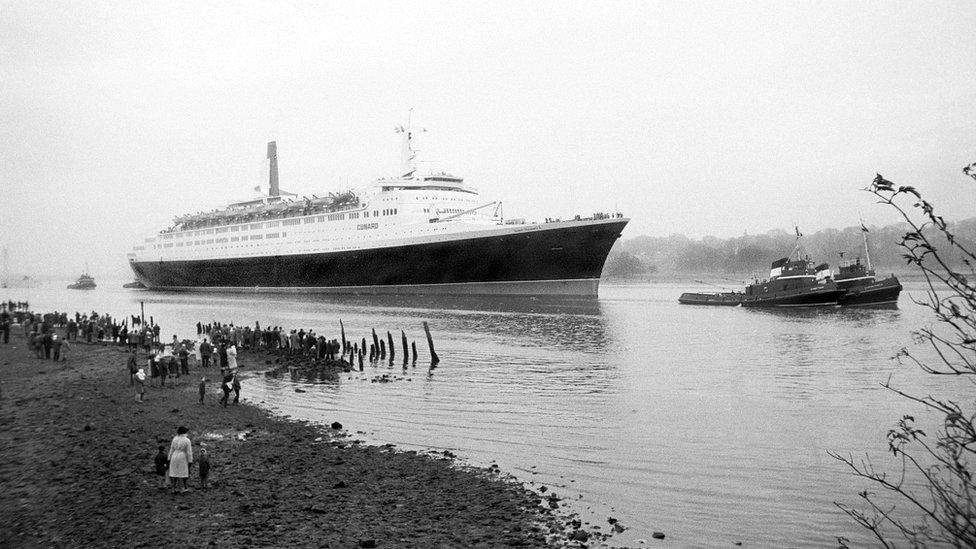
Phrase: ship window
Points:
(288, 222)
(256, 237)
(243, 238)
(222, 240)
(309, 220)
(168, 245)
(179, 244)
(222, 230)
(167, 236)
(234, 229)
(365, 214)
(272, 235)
(320, 218)
(209, 231)
(284, 234)
(196, 242)
(257, 225)
(209, 241)
(235, 238)
(271, 224)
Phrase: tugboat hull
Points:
(882, 293)
(802, 297)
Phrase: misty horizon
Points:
(687, 118)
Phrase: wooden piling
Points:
(342, 330)
(392, 346)
(376, 342)
(430, 343)
(413, 344)
(382, 349)
(406, 351)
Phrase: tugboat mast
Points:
(864, 236)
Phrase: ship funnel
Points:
(273, 189)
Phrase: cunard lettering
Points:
(367, 226)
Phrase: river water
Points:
(710, 424)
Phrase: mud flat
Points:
(76, 470)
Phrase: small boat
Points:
(84, 282)
(134, 284)
(728, 299)
(862, 286)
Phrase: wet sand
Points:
(76, 470)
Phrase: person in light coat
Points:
(232, 358)
(180, 459)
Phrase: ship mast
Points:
(407, 154)
(864, 236)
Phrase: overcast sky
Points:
(700, 118)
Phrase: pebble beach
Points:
(76, 464)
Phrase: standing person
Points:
(47, 340)
(55, 348)
(141, 389)
(232, 357)
(133, 364)
(162, 466)
(206, 350)
(203, 388)
(65, 349)
(180, 459)
(236, 385)
(222, 353)
(204, 468)
(184, 359)
(225, 386)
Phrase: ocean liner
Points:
(416, 234)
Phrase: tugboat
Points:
(794, 283)
(84, 282)
(863, 288)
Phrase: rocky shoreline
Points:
(76, 467)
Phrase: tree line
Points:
(750, 255)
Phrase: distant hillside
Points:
(749, 255)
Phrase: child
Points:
(141, 382)
(204, 463)
(203, 389)
(162, 466)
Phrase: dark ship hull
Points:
(799, 297)
(876, 293)
(565, 259)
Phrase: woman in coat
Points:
(180, 459)
(232, 357)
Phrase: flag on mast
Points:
(863, 228)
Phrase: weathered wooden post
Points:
(360, 355)
(430, 343)
(413, 344)
(342, 330)
(376, 342)
(382, 349)
(392, 346)
(406, 351)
